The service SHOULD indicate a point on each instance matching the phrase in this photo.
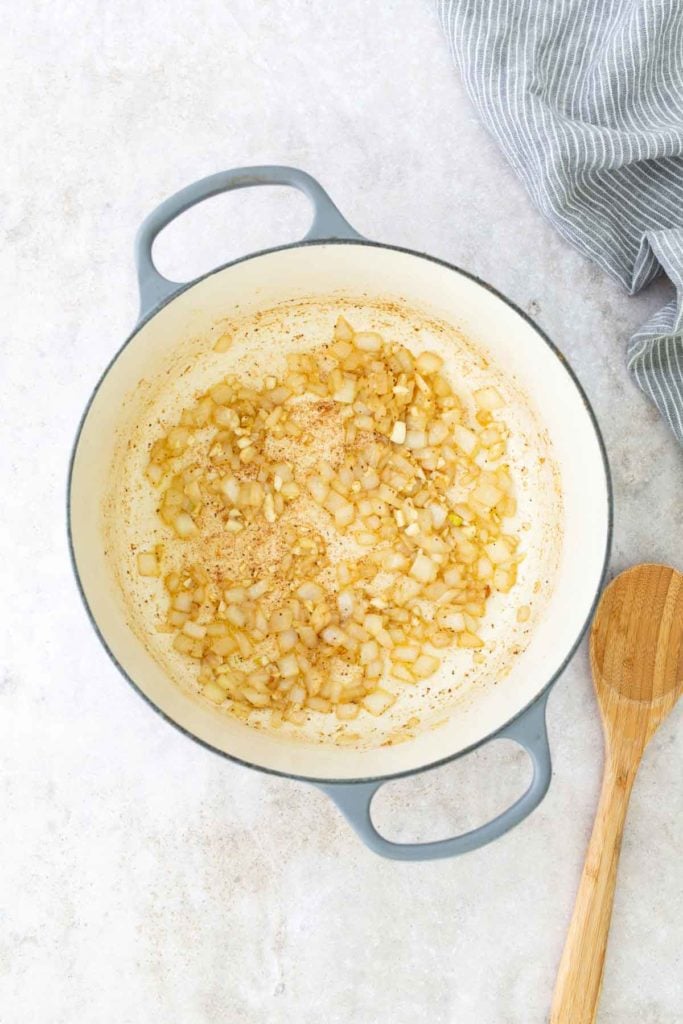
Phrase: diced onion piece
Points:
(308, 636)
(217, 629)
(425, 666)
(255, 697)
(177, 439)
(183, 644)
(297, 694)
(438, 514)
(287, 640)
(318, 488)
(280, 620)
(467, 639)
(214, 692)
(334, 636)
(428, 362)
(487, 494)
(373, 623)
(498, 551)
(224, 645)
(182, 602)
(484, 568)
(378, 701)
(344, 516)
(369, 652)
(405, 652)
(223, 343)
(230, 487)
(148, 564)
(242, 641)
(437, 433)
(185, 525)
(465, 439)
(288, 666)
(194, 630)
(415, 439)
(336, 502)
(374, 669)
(310, 592)
(488, 399)
(318, 704)
(236, 615)
(367, 341)
(400, 671)
(423, 569)
(398, 432)
(503, 581)
(346, 712)
(346, 392)
(345, 603)
(343, 331)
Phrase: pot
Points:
(333, 260)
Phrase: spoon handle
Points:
(579, 978)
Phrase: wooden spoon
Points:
(637, 661)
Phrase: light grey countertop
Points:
(142, 878)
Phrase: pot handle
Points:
(156, 289)
(528, 730)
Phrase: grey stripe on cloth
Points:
(585, 98)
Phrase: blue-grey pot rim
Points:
(608, 540)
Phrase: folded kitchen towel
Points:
(586, 99)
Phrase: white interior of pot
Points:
(375, 276)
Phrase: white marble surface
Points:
(142, 878)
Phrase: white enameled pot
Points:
(333, 260)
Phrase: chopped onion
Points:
(346, 392)
(378, 701)
(343, 331)
(280, 620)
(288, 666)
(418, 489)
(498, 551)
(223, 343)
(346, 712)
(464, 438)
(425, 666)
(236, 615)
(148, 564)
(428, 362)
(185, 525)
(214, 692)
(310, 591)
(334, 636)
(404, 652)
(367, 341)
(488, 399)
(467, 639)
(423, 569)
(398, 432)
(194, 630)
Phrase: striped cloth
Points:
(586, 99)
